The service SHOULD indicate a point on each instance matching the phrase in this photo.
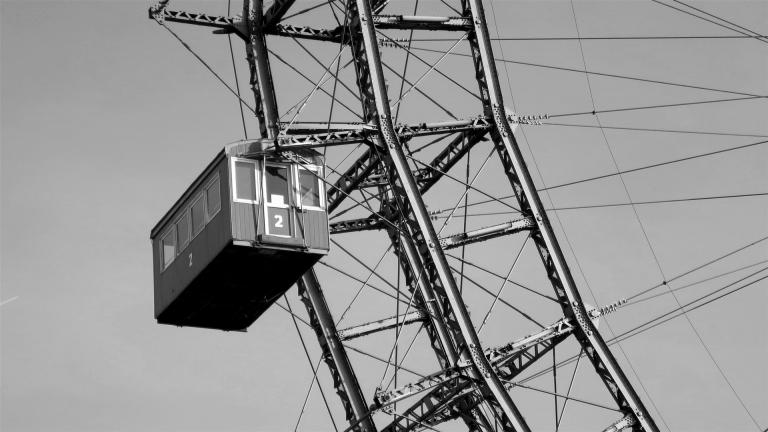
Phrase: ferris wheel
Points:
(392, 180)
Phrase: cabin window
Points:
(277, 184)
(198, 215)
(168, 247)
(182, 228)
(213, 198)
(310, 188)
(246, 189)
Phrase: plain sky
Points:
(106, 119)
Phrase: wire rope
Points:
(603, 74)
(636, 129)
(309, 359)
(648, 107)
(600, 38)
(656, 165)
(205, 64)
(634, 210)
(757, 35)
(234, 69)
(653, 322)
(691, 284)
(706, 19)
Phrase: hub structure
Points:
(473, 383)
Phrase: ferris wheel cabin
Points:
(239, 237)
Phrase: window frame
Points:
(200, 196)
(170, 231)
(285, 205)
(187, 213)
(257, 178)
(318, 173)
(209, 217)
(289, 179)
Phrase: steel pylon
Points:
(472, 385)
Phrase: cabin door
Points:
(279, 210)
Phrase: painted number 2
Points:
(278, 221)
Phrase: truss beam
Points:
(236, 25)
(409, 22)
(408, 254)
(261, 73)
(408, 186)
(278, 9)
(482, 234)
(411, 205)
(318, 135)
(549, 249)
(520, 353)
(471, 376)
(344, 378)
(621, 424)
(381, 325)
(427, 178)
(448, 400)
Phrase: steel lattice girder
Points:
(530, 204)
(509, 360)
(406, 192)
(427, 178)
(345, 380)
(436, 329)
(458, 400)
(237, 26)
(409, 238)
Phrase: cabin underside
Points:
(237, 287)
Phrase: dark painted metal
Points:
(409, 256)
(482, 234)
(261, 75)
(344, 378)
(408, 189)
(276, 12)
(530, 203)
(384, 165)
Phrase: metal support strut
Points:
(334, 354)
(482, 367)
(549, 248)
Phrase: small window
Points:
(245, 182)
(213, 198)
(310, 188)
(182, 228)
(277, 184)
(198, 215)
(168, 247)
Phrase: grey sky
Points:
(106, 119)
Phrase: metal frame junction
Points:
(473, 383)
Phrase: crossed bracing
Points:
(471, 378)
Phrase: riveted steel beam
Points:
(236, 25)
(544, 238)
(381, 325)
(621, 424)
(276, 12)
(509, 360)
(482, 370)
(482, 234)
(261, 73)
(334, 354)
(426, 178)
(408, 22)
